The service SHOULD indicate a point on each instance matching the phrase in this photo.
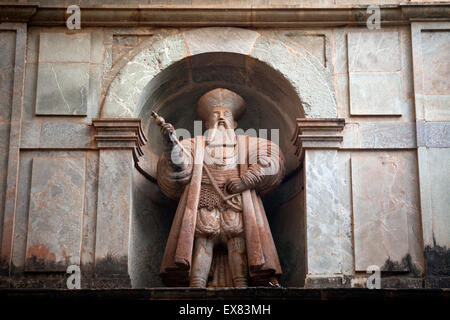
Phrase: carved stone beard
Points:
(220, 145)
(220, 134)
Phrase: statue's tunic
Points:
(241, 216)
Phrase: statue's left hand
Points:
(236, 185)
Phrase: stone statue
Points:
(220, 236)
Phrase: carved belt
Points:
(213, 195)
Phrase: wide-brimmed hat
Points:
(221, 97)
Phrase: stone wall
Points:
(367, 182)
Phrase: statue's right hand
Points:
(167, 131)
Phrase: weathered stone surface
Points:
(96, 46)
(436, 62)
(65, 134)
(15, 113)
(7, 54)
(113, 212)
(437, 108)
(151, 211)
(399, 135)
(235, 40)
(33, 44)
(379, 135)
(385, 209)
(375, 51)
(3, 165)
(351, 137)
(433, 134)
(435, 47)
(23, 201)
(29, 95)
(435, 199)
(122, 99)
(340, 51)
(287, 224)
(344, 213)
(327, 212)
(64, 47)
(314, 84)
(62, 89)
(93, 97)
(431, 85)
(30, 135)
(375, 93)
(56, 210)
(314, 44)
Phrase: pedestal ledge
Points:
(317, 134)
(120, 134)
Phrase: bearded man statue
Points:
(220, 236)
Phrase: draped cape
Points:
(262, 255)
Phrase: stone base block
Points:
(122, 282)
(359, 281)
(437, 282)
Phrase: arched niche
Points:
(279, 84)
(272, 103)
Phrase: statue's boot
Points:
(237, 259)
(202, 258)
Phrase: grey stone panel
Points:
(114, 209)
(437, 107)
(434, 174)
(221, 40)
(324, 188)
(23, 201)
(29, 96)
(90, 214)
(436, 61)
(375, 93)
(433, 134)
(64, 47)
(30, 135)
(399, 135)
(56, 211)
(386, 211)
(65, 135)
(7, 56)
(374, 51)
(62, 89)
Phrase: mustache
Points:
(214, 130)
(226, 123)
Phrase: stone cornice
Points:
(184, 16)
(120, 134)
(317, 134)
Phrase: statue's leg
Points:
(202, 259)
(237, 259)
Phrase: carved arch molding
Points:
(282, 83)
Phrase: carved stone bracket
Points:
(317, 134)
(120, 134)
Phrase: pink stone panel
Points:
(55, 213)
